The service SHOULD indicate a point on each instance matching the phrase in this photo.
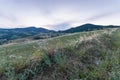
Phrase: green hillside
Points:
(7, 35)
(92, 55)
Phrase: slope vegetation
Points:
(92, 55)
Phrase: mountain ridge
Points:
(17, 33)
(88, 27)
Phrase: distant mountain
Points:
(88, 27)
(16, 33)
(30, 30)
(41, 33)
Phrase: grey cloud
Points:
(8, 17)
(57, 13)
(102, 15)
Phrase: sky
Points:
(58, 14)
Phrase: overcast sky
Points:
(58, 14)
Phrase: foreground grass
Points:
(69, 57)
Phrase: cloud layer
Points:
(58, 14)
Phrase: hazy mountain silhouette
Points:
(88, 27)
(16, 33)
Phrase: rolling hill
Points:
(7, 35)
(17, 33)
(88, 27)
(88, 55)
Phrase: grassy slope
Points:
(73, 56)
(27, 50)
